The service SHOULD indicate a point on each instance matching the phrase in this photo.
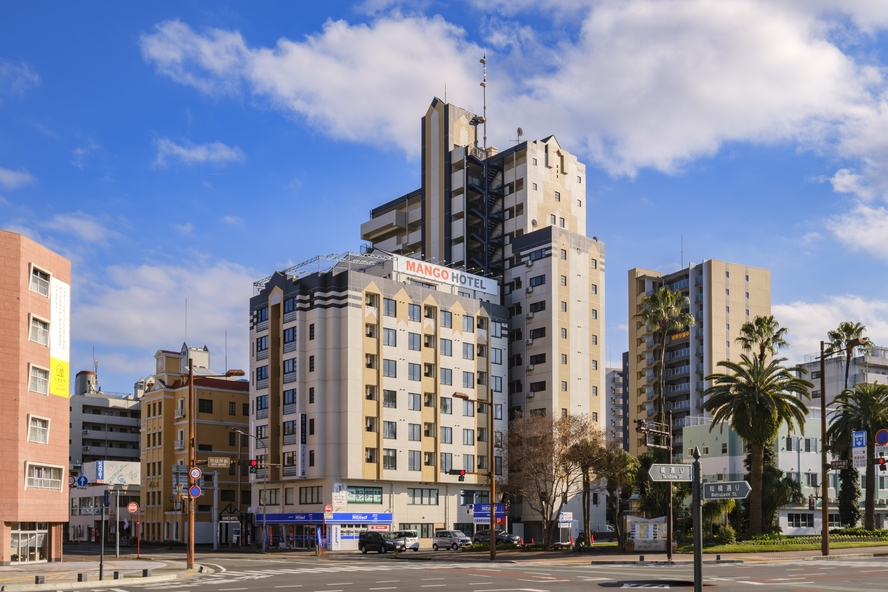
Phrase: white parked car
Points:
(450, 539)
(408, 537)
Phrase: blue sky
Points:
(180, 151)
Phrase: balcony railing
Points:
(179, 444)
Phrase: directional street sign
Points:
(726, 490)
(671, 473)
(858, 449)
(82, 481)
(218, 462)
(840, 464)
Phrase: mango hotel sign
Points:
(438, 274)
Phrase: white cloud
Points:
(17, 78)
(15, 179)
(865, 228)
(809, 322)
(142, 309)
(83, 152)
(355, 82)
(184, 229)
(187, 153)
(85, 227)
(233, 220)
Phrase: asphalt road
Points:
(383, 573)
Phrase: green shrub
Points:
(725, 535)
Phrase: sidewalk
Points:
(64, 575)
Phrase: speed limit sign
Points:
(195, 473)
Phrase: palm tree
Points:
(764, 334)
(662, 312)
(841, 338)
(756, 397)
(863, 408)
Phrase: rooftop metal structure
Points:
(334, 262)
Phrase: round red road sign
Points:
(328, 508)
(71, 481)
(132, 508)
(882, 437)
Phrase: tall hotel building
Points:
(331, 349)
(723, 296)
(35, 289)
(370, 381)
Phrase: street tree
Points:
(862, 408)
(755, 397)
(763, 336)
(587, 456)
(539, 466)
(662, 311)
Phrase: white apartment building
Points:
(370, 382)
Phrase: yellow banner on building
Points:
(59, 338)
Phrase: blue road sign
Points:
(194, 491)
(858, 439)
(82, 481)
(882, 437)
(107, 498)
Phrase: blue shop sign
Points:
(359, 518)
(303, 518)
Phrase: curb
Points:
(709, 562)
(841, 557)
(88, 584)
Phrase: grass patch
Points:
(749, 548)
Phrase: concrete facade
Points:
(723, 296)
(34, 341)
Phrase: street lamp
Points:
(264, 486)
(189, 556)
(824, 517)
(491, 447)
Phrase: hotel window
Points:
(595, 340)
(311, 363)
(311, 394)
(261, 402)
(564, 280)
(414, 341)
(414, 458)
(468, 462)
(289, 366)
(261, 343)
(38, 430)
(390, 430)
(564, 358)
(594, 416)
(446, 435)
(390, 399)
(389, 368)
(413, 401)
(446, 405)
(311, 332)
(39, 281)
(534, 186)
(468, 380)
(389, 307)
(595, 364)
(446, 376)
(496, 355)
(563, 306)
(496, 384)
(414, 432)
(557, 196)
(468, 351)
(446, 319)
(39, 331)
(414, 372)
(594, 391)
(552, 218)
(389, 458)
(561, 222)
(446, 462)
(468, 324)
(390, 337)
(563, 333)
(468, 408)
(595, 288)
(564, 386)
(446, 347)
(38, 381)
(289, 335)
(594, 313)
(414, 312)
(594, 264)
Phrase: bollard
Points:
(81, 577)
(146, 573)
(116, 575)
(718, 557)
(39, 579)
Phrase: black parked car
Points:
(369, 540)
(483, 536)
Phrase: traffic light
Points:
(460, 472)
(254, 465)
(462, 475)
(881, 462)
(810, 503)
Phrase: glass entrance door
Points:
(29, 542)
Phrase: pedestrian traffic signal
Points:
(254, 465)
(810, 503)
(881, 462)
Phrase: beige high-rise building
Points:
(371, 381)
(723, 296)
(517, 216)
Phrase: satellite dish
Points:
(520, 132)
(533, 222)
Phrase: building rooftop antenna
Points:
(484, 85)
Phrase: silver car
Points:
(450, 539)
(409, 538)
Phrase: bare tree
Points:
(539, 465)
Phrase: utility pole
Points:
(654, 431)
